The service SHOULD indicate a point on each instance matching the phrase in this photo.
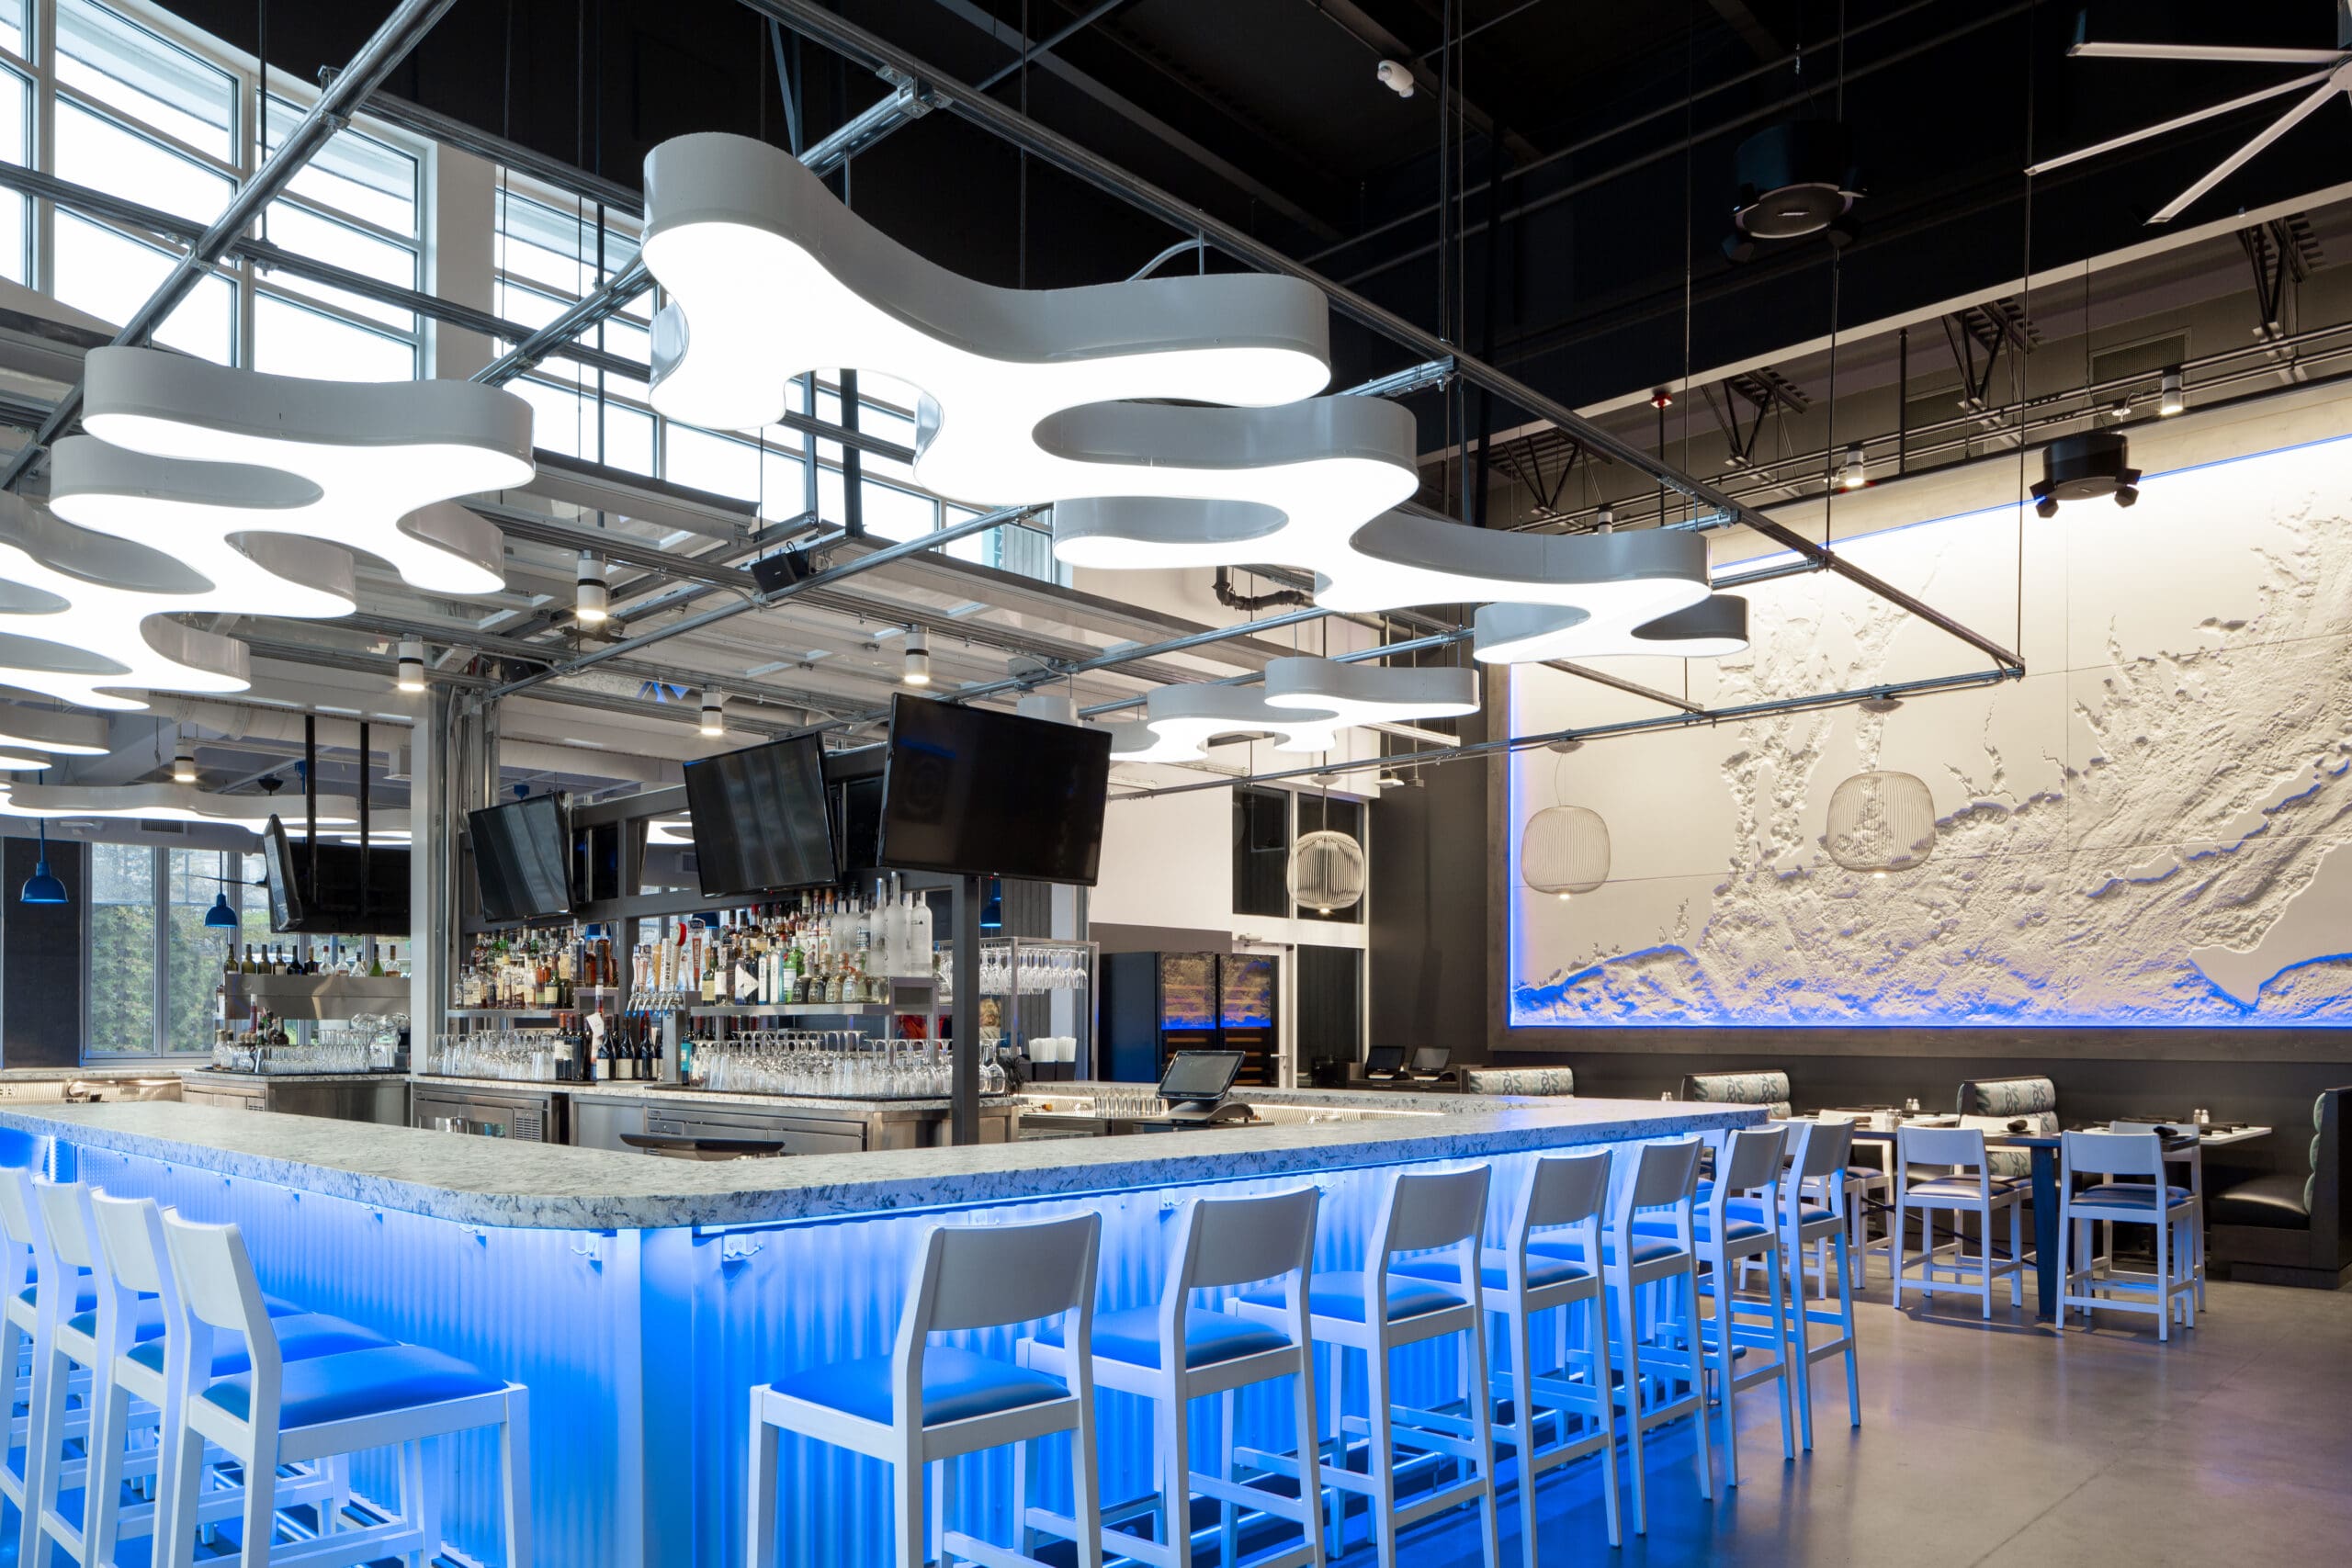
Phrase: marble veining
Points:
(492, 1182)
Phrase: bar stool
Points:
(924, 1404)
(2153, 1201)
(1666, 1176)
(1221, 1243)
(1974, 1190)
(2191, 1155)
(1750, 1166)
(20, 1325)
(1421, 1212)
(1858, 1184)
(280, 1413)
(129, 1363)
(1817, 1166)
(1517, 1281)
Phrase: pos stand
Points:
(964, 1117)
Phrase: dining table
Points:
(2043, 1148)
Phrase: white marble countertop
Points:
(490, 1181)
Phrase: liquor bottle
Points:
(375, 966)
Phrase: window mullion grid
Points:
(101, 109)
(41, 17)
(159, 871)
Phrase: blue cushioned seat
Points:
(1964, 1187)
(1646, 1250)
(2128, 1194)
(1543, 1268)
(299, 1338)
(1753, 1209)
(146, 1319)
(86, 1300)
(1735, 1229)
(956, 1386)
(358, 1382)
(1341, 1294)
(1133, 1336)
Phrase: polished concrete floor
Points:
(2008, 1443)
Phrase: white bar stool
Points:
(2192, 1155)
(924, 1404)
(1817, 1168)
(1974, 1190)
(1221, 1243)
(20, 1250)
(1666, 1178)
(2153, 1201)
(280, 1412)
(1748, 1167)
(1518, 1280)
(130, 1361)
(1423, 1211)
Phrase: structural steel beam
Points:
(400, 32)
(810, 18)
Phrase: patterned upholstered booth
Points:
(1518, 1080)
(2290, 1228)
(1740, 1088)
(1990, 1104)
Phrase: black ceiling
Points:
(1602, 128)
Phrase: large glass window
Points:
(154, 82)
(1261, 851)
(15, 147)
(154, 965)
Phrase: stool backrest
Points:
(130, 1239)
(2111, 1154)
(61, 1220)
(987, 1275)
(218, 1291)
(1239, 1241)
(1664, 1174)
(1564, 1190)
(1824, 1148)
(1941, 1145)
(1431, 1209)
(16, 1227)
(1750, 1161)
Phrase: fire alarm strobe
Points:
(2080, 467)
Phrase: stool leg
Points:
(1173, 1439)
(45, 1417)
(1228, 1515)
(1597, 1371)
(1787, 1333)
(1522, 1368)
(1482, 1442)
(1724, 1371)
(101, 1498)
(907, 1511)
(1086, 1492)
(760, 1477)
(1634, 1433)
(1898, 1249)
(1381, 1461)
(515, 1477)
(261, 1504)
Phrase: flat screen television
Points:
(967, 792)
(522, 859)
(334, 905)
(763, 818)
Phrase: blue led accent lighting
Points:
(1548, 1006)
(638, 1347)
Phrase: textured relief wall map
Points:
(2153, 827)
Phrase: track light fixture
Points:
(714, 715)
(1853, 470)
(184, 766)
(2173, 398)
(411, 666)
(1605, 520)
(591, 599)
(918, 669)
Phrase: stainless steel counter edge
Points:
(487, 1181)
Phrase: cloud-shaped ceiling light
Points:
(1305, 702)
(174, 803)
(1038, 394)
(84, 615)
(1714, 627)
(201, 489)
(47, 730)
(373, 466)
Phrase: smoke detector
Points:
(1397, 77)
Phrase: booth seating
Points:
(1990, 1104)
(1518, 1080)
(2290, 1228)
(1769, 1090)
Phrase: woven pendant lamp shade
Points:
(1564, 850)
(1327, 872)
(1881, 822)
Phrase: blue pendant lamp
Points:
(221, 917)
(43, 886)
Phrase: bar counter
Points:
(641, 1297)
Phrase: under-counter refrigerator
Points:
(1155, 1004)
